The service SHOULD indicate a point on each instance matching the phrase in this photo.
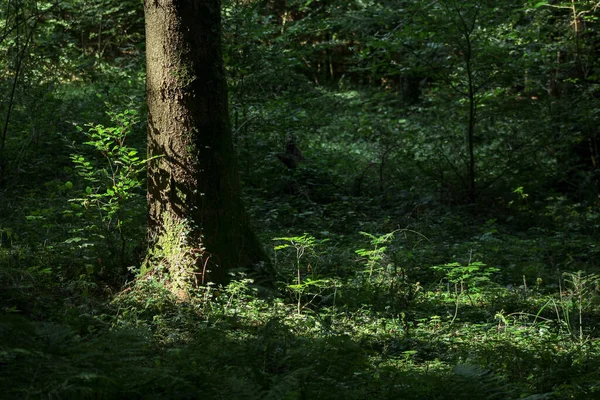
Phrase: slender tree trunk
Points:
(468, 29)
(466, 26)
(471, 133)
(195, 179)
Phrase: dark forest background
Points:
(423, 174)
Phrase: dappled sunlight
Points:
(422, 176)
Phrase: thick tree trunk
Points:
(195, 179)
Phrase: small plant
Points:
(577, 294)
(305, 283)
(471, 277)
(113, 181)
(386, 282)
(237, 297)
(465, 279)
(374, 257)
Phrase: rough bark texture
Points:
(196, 177)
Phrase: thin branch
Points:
(21, 54)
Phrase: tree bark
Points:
(195, 178)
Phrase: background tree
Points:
(194, 179)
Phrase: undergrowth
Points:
(372, 298)
(385, 284)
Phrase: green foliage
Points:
(173, 261)
(376, 255)
(496, 298)
(465, 279)
(307, 285)
(580, 296)
(385, 283)
(112, 180)
(471, 277)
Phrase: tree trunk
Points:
(195, 179)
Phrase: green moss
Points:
(173, 255)
(184, 75)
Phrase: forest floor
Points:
(380, 293)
